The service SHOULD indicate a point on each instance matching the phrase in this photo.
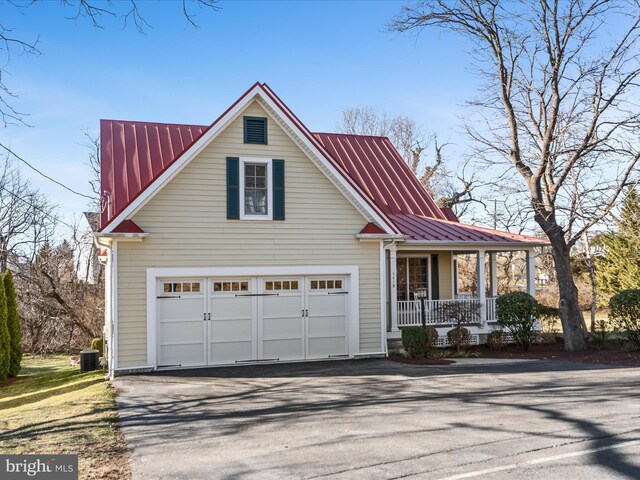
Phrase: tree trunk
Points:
(573, 326)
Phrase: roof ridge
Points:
(351, 135)
(155, 123)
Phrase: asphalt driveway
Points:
(374, 419)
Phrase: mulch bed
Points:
(421, 361)
(612, 354)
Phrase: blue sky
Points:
(320, 57)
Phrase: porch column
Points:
(493, 281)
(531, 273)
(482, 286)
(393, 279)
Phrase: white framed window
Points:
(256, 192)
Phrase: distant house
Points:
(255, 240)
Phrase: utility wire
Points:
(35, 207)
(45, 175)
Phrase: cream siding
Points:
(187, 226)
(445, 274)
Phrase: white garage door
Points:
(221, 321)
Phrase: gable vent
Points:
(255, 130)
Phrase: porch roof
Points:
(422, 229)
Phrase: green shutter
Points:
(233, 188)
(435, 282)
(278, 189)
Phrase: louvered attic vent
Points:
(255, 130)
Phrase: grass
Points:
(53, 408)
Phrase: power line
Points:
(35, 207)
(45, 175)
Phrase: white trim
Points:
(354, 195)
(531, 272)
(472, 246)
(132, 237)
(363, 237)
(383, 299)
(393, 274)
(493, 278)
(482, 285)
(114, 303)
(352, 271)
(269, 182)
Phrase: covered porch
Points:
(434, 273)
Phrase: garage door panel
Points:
(181, 308)
(327, 347)
(328, 304)
(185, 331)
(273, 328)
(282, 306)
(283, 349)
(232, 307)
(327, 326)
(232, 330)
(184, 355)
(231, 352)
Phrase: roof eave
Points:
(379, 236)
(506, 245)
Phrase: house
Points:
(255, 240)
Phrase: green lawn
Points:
(53, 408)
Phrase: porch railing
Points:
(437, 311)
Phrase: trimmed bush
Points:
(517, 313)
(496, 340)
(5, 339)
(624, 314)
(459, 337)
(418, 341)
(13, 324)
(98, 344)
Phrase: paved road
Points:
(376, 419)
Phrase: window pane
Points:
(285, 285)
(314, 284)
(329, 283)
(195, 287)
(235, 286)
(166, 288)
(249, 169)
(261, 170)
(269, 286)
(244, 286)
(186, 287)
(277, 285)
(322, 284)
(294, 285)
(226, 286)
(177, 287)
(217, 287)
(338, 283)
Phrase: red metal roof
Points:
(135, 154)
(372, 229)
(379, 170)
(128, 226)
(417, 227)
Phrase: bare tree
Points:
(96, 12)
(449, 189)
(557, 108)
(27, 217)
(93, 146)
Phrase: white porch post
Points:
(493, 281)
(482, 285)
(393, 278)
(531, 273)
